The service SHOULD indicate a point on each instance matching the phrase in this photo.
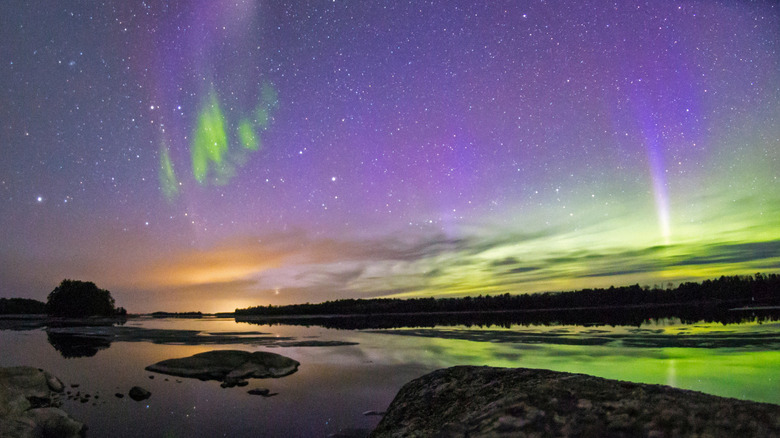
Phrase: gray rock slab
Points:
(110, 334)
(519, 402)
(230, 365)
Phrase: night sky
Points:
(212, 154)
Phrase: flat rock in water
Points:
(228, 365)
(519, 402)
(28, 407)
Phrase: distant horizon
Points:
(123, 296)
(661, 286)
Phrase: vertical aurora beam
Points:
(646, 127)
(660, 194)
(648, 117)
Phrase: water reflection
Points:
(635, 328)
(335, 385)
(72, 345)
(81, 337)
(85, 341)
(614, 317)
(647, 339)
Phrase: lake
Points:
(337, 383)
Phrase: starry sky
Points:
(213, 154)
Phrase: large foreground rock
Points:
(228, 365)
(501, 402)
(30, 408)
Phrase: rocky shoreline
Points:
(30, 405)
(468, 401)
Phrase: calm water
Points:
(335, 385)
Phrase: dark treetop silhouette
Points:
(75, 298)
(729, 292)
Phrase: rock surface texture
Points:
(29, 406)
(228, 365)
(470, 401)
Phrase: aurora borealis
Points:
(209, 154)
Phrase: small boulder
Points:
(54, 383)
(137, 393)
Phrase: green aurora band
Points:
(214, 161)
(269, 100)
(168, 182)
(210, 144)
(247, 136)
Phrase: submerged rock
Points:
(29, 408)
(500, 402)
(370, 413)
(228, 365)
(265, 392)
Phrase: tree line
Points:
(177, 315)
(732, 291)
(21, 306)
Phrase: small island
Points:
(81, 299)
(71, 303)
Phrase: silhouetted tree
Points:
(78, 299)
